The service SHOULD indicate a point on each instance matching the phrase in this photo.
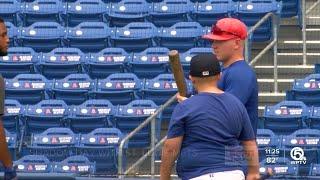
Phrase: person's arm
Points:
(5, 157)
(251, 154)
(170, 152)
(248, 141)
(172, 145)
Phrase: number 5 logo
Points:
(297, 154)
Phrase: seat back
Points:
(135, 36)
(181, 36)
(91, 115)
(150, 62)
(73, 89)
(285, 117)
(42, 36)
(168, 12)
(107, 62)
(118, 88)
(34, 164)
(43, 10)
(85, 10)
(19, 60)
(27, 88)
(61, 62)
(46, 114)
(130, 116)
(75, 164)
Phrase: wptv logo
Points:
(298, 156)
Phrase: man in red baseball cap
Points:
(228, 37)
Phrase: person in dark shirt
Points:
(238, 78)
(209, 133)
(5, 158)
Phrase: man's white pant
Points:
(225, 175)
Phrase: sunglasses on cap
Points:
(218, 31)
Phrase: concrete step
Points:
(284, 72)
(288, 57)
(267, 85)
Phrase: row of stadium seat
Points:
(95, 36)
(56, 144)
(283, 169)
(306, 90)
(25, 120)
(137, 36)
(41, 164)
(289, 116)
(76, 88)
(272, 147)
(64, 61)
(164, 13)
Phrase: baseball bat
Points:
(178, 72)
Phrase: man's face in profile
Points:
(4, 40)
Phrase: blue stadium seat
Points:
(91, 115)
(27, 88)
(9, 10)
(106, 62)
(127, 11)
(75, 165)
(285, 117)
(101, 146)
(209, 12)
(42, 36)
(12, 115)
(85, 11)
(88, 36)
(314, 170)
(309, 141)
(160, 89)
(20, 60)
(181, 36)
(290, 8)
(251, 11)
(306, 90)
(150, 63)
(61, 62)
(55, 143)
(46, 114)
(34, 164)
(130, 116)
(281, 168)
(134, 37)
(73, 89)
(12, 142)
(186, 57)
(269, 144)
(43, 10)
(169, 12)
(118, 88)
(313, 120)
(12, 33)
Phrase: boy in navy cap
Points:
(207, 129)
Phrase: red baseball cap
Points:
(226, 29)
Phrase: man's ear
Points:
(192, 79)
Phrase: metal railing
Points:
(153, 147)
(273, 44)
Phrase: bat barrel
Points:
(178, 72)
